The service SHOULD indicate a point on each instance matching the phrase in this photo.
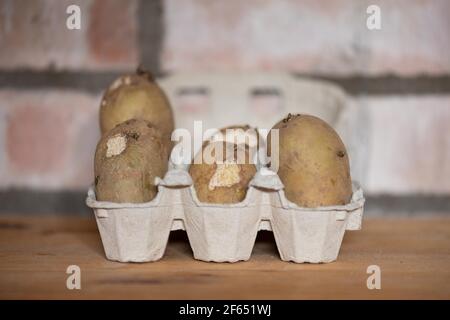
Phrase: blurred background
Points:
(397, 80)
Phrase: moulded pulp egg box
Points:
(224, 233)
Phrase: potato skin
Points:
(221, 135)
(313, 162)
(128, 175)
(202, 174)
(244, 128)
(136, 96)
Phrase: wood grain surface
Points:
(413, 254)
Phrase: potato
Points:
(225, 177)
(313, 163)
(127, 160)
(136, 96)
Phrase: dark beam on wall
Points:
(389, 84)
(94, 82)
(386, 205)
(30, 202)
(151, 34)
(97, 81)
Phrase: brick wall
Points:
(34, 35)
(51, 78)
(318, 37)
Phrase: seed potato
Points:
(313, 163)
(225, 178)
(127, 161)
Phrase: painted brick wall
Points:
(33, 35)
(314, 36)
(409, 144)
(48, 138)
(49, 131)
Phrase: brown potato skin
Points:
(313, 162)
(139, 97)
(202, 173)
(129, 177)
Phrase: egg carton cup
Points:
(224, 232)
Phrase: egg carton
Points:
(224, 232)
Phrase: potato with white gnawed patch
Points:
(136, 96)
(223, 174)
(127, 161)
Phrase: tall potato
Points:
(136, 96)
(313, 163)
(127, 161)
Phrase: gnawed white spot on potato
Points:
(115, 145)
(226, 175)
(127, 81)
(103, 102)
(117, 83)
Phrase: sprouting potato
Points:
(127, 161)
(136, 96)
(225, 177)
(313, 163)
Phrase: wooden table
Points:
(413, 254)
